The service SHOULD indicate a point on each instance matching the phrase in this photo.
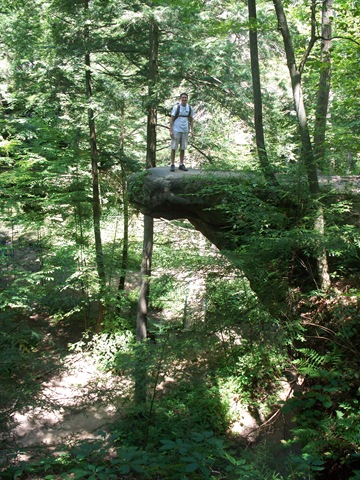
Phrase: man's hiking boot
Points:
(183, 168)
(172, 168)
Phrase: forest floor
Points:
(68, 399)
(75, 401)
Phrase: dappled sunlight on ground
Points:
(73, 405)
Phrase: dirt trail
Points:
(77, 403)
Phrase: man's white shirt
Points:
(181, 124)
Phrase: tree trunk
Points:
(307, 150)
(141, 321)
(322, 262)
(141, 324)
(125, 248)
(258, 111)
(320, 126)
(324, 85)
(95, 182)
(295, 76)
(152, 108)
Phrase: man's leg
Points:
(182, 156)
(183, 147)
(175, 140)
(182, 166)
(172, 160)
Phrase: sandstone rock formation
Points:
(202, 197)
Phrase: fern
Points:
(310, 363)
(305, 435)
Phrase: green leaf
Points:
(124, 469)
(191, 467)
(79, 473)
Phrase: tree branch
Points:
(349, 39)
(313, 37)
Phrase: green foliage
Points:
(162, 291)
(198, 457)
(255, 372)
(20, 356)
(236, 342)
(107, 349)
(326, 412)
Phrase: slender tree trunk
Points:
(141, 367)
(142, 312)
(258, 110)
(95, 182)
(95, 179)
(152, 109)
(141, 322)
(81, 258)
(307, 150)
(320, 124)
(322, 262)
(324, 85)
(125, 248)
(295, 76)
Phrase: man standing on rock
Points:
(181, 122)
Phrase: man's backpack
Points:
(177, 113)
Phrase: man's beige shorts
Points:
(181, 139)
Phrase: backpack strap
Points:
(177, 113)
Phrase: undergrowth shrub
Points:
(200, 456)
(327, 409)
(107, 349)
(19, 359)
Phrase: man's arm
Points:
(191, 123)
(172, 120)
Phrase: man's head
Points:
(184, 98)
